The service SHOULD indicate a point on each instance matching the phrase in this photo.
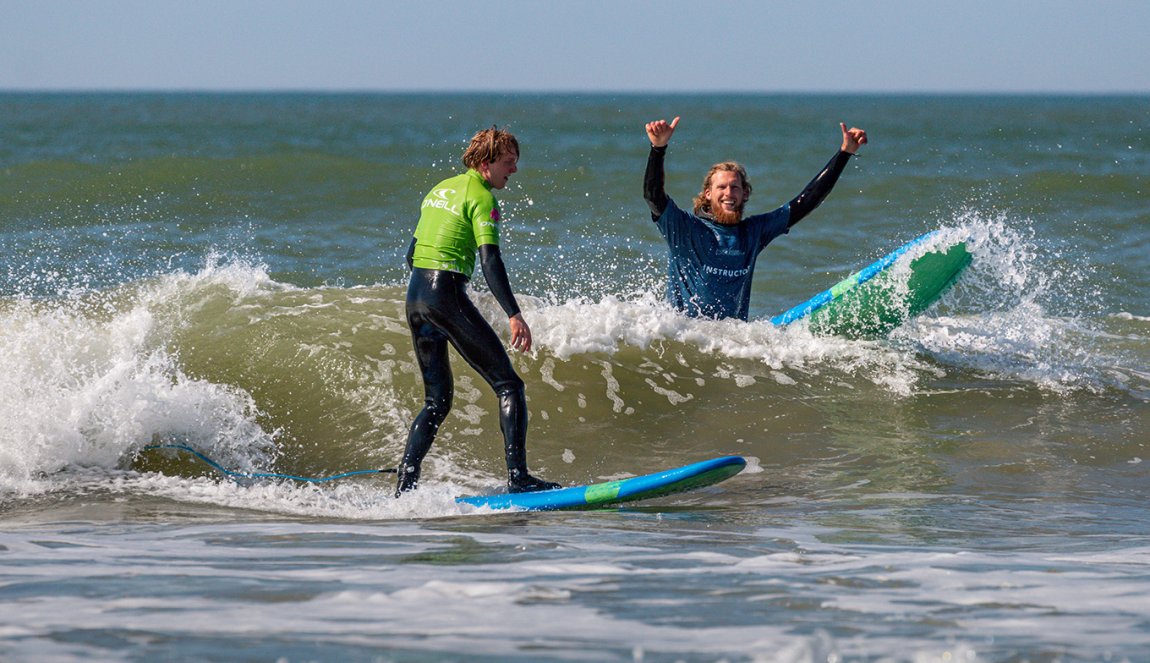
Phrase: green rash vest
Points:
(456, 218)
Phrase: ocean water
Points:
(225, 271)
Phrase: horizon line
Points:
(566, 92)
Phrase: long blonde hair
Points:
(704, 205)
(488, 146)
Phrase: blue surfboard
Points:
(667, 482)
(869, 303)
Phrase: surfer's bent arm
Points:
(496, 274)
(653, 191)
(411, 254)
(818, 188)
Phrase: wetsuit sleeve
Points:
(653, 191)
(411, 254)
(818, 188)
(496, 274)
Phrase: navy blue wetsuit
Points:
(710, 267)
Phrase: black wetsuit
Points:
(439, 312)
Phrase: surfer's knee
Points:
(510, 387)
(437, 401)
(513, 411)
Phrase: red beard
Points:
(726, 218)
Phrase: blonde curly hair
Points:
(488, 146)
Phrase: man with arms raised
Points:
(713, 249)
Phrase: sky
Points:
(911, 46)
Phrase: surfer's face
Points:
(727, 195)
(499, 171)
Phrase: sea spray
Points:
(91, 384)
(1023, 311)
(86, 380)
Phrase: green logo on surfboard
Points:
(602, 491)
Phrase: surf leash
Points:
(237, 476)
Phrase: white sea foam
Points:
(1130, 316)
(997, 319)
(577, 328)
(85, 380)
(353, 585)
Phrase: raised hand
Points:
(660, 132)
(852, 138)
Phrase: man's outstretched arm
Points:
(820, 187)
(659, 133)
